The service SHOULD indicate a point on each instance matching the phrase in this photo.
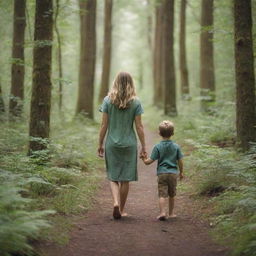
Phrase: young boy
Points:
(169, 158)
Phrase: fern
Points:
(17, 223)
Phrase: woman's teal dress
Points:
(121, 141)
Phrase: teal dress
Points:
(121, 141)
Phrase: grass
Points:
(65, 184)
(221, 177)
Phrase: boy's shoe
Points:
(116, 213)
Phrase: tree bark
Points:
(59, 50)
(18, 71)
(207, 77)
(87, 58)
(245, 77)
(158, 56)
(182, 54)
(41, 89)
(155, 68)
(149, 25)
(169, 64)
(107, 50)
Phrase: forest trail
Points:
(140, 234)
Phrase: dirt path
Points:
(140, 234)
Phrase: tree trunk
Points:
(59, 49)
(41, 89)
(158, 56)
(155, 54)
(17, 79)
(183, 58)
(245, 78)
(107, 50)
(87, 57)
(149, 25)
(207, 78)
(169, 66)
(2, 108)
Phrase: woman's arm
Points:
(103, 130)
(140, 132)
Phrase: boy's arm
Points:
(147, 161)
(180, 164)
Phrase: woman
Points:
(121, 108)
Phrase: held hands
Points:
(143, 154)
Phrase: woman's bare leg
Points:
(116, 195)
(115, 192)
(124, 189)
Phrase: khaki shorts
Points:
(167, 183)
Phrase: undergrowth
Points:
(217, 172)
(35, 194)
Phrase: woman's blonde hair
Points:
(122, 91)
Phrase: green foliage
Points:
(18, 223)
(238, 222)
(61, 180)
(230, 179)
(217, 172)
(236, 208)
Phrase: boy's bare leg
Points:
(124, 189)
(162, 208)
(171, 207)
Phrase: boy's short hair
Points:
(166, 129)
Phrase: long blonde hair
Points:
(122, 91)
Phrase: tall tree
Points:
(87, 57)
(158, 55)
(18, 71)
(245, 77)
(169, 64)
(149, 24)
(41, 89)
(207, 77)
(59, 52)
(106, 50)
(182, 53)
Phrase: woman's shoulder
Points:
(106, 98)
(136, 106)
(136, 101)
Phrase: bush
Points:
(18, 224)
(235, 205)
(238, 223)
(63, 178)
(212, 169)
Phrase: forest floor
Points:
(140, 233)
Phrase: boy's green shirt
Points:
(167, 153)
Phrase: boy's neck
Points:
(168, 138)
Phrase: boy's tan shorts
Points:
(167, 183)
